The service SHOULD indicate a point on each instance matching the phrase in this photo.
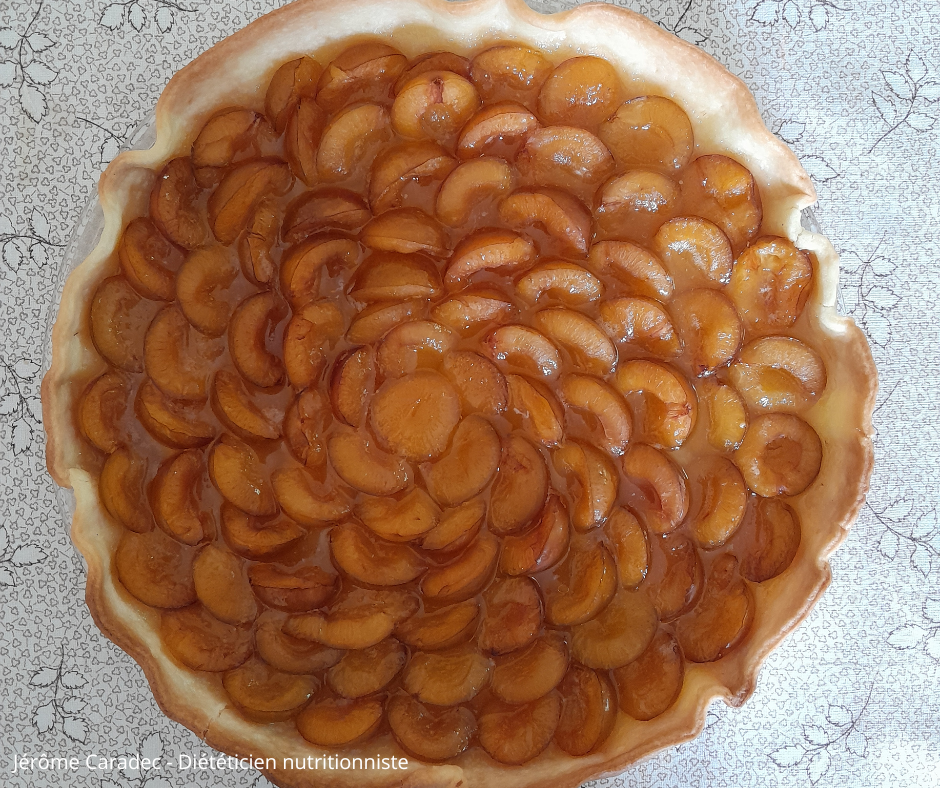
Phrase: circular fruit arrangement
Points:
(453, 397)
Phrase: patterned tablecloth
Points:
(852, 698)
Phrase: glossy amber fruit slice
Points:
(401, 165)
(361, 72)
(265, 693)
(770, 284)
(640, 322)
(516, 734)
(520, 487)
(665, 401)
(413, 345)
(156, 569)
(497, 129)
(598, 403)
(500, 251)
(290, 654)
(370, 560)
(472, 188)
(539, 547)
(250, 335)
(393, 277)
(529, 673)
(588, 347)
(582, 585)
(175, 497)
(202, 642)
(588, 710)
(295, 490)
(292, 590)
(778, 373)
(360, 618)
(434, 104)
(447, 678)
(121, 486)
(222, 586)
(721, 497)
(533, 407)
(664, 495)
(432, 734)
(235, 199)
(457, 528)
(727, 414)
(569, 283)
(148, 260)
(406, 231)
(302, 139)
(513, 615)
(173, 205)
(238, 475)
(562, 217)
(468, 466)
(649, 131)
(582, 91)
(565, 157)
(305, 423)
(640, 270)
(352, 383)
(363, 465)
(775, 536)
(351, 140)
(303, 265)
(294, 80)
(695, 250)
(722, 616)
(619, 633)
(402, 519)
(445, 627)
(479, 384)
(101, 409)
(338, 722)
(434, 61)
(682, 576)
(630, 547)
(256, 539)
(238, 410)
(524, 349)
(634, 205)
(510, 72)
(118, 319)
(781, 455)
(709, 326)
(649, 685)
(593, 483)
(416, 415)
(175, 358)
(368, 670)
(175, 423)
(325, 208)
(719, 189)
(474, 308)
(466, 575)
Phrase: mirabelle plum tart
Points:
(470, 392)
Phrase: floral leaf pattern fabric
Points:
(853, 86)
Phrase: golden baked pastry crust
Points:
(725, 119)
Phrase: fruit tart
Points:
(456, 384)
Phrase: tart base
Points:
(726, 120)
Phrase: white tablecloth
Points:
(852, 698)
